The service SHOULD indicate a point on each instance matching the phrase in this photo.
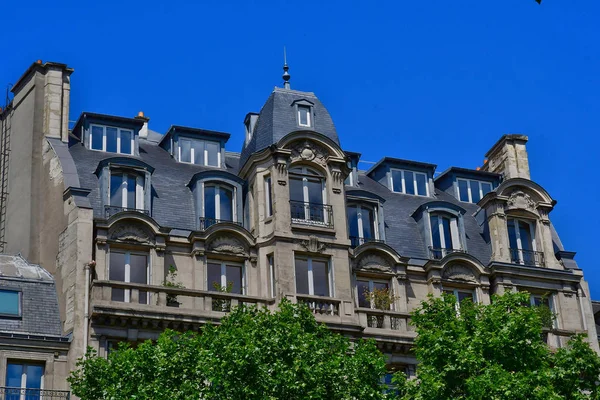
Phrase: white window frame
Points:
(404, 183)
(551, 305)
(139, 190)
(308, 116)
(372, 282)
(311, 283)
(119, 130)
(204, 152)
(26, 363)
(455, 292)
(271, 263)
(359, 209)
(128, 253)
(518, 236)
(224, 265)
(218, 187)
(268, 196)
(470, 195)
(306, 196)
(456, 242)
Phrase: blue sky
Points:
(436, 81)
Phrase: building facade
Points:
(145, 231)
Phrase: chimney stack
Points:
(508, 157)
(144, 130)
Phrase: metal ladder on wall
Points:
(6, 119)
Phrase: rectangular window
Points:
(10, 303)
(471, 191)
(126, 191)
(409, 182)
(225, 277)
(24, 376)
(521, 239)
(268, 200)
(130, 267)
(313, 276)
(303, 116)
(367, 287)
(112, 139)
(444, 235)
(200, 152)
(461, 295)
(271, 263)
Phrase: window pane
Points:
(296, 189)
(116, 190)
(301, 276)
(34, 378)
(397, 181)
(209, 202)
(447, 233)
(320, 277)
(303, 115)
(234, 276)
(269, 200)
(362, 287)
(315, 191)
(381, 285)
(435, 232)
(97, 132)
(198, 151)
(117, 273)
(131, 191)
(512, 234)
(214, 277)
(525, 232)
(126, 142)
(421, 184)
(486, 187)
(212, 149)
(353, 221)
(465, 296)
(14, 373)
(475, 191)
(9, 302)
(368, 222)
(225, 200)
(138, 273)
(185, 148)
(463, 190)
(111, 139)
(409, 182)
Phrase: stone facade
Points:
(287, 224)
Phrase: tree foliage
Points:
(252, 354)
(495, 352)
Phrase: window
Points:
(219, 203)
(461, 295)
(126, 190)
(312, 276)
(362, 224)
(268, 199)
(112, 140)
(409, 182)
(271, 263)
(200, 152)
(521, 238)
(130, 267)
(304, 116)
(10, 303)
(472, 191)
(544, 300)
(365, 286)
(350, 178)
(24, 376)
(307, 197)
(225, 277)
(444, 235)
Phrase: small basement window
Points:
(10, 303)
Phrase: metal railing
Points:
(311, 214)
(206, 223)
(12, 393)
(109, 211)
(439, 253)
(356, 241)
(527, 257)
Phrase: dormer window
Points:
(112, 139)
(445, 238)
(363, 224)
(10, 303)
(304, 116)
(409, 182)
(125, 185)
(200, 152)
(471, 191)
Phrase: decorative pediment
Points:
(374, 263)
(131, 233)
(459, 273)
(306, 150)
(227, 244)
(313, 244)
(520, 200)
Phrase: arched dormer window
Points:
(443, 228)
(218, 198)
(308, 197)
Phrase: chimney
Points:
(250, 123)
(508, 157)
(144, 129)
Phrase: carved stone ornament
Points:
(131, 233)
(375, 263)
(459, 273)
(227, 245)
(520, 200)
(313, 245)
(304, 150)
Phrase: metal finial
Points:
(286, 75)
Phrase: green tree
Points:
(495, 352)
(252, 354)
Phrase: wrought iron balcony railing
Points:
(205, 223)
(12, 393)
(527, 257)
(314, 214)
(356, 241)
(439, 253)
(109, 211)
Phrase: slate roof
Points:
(40, 312)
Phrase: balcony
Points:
(312, 214)
(320, 305)
(356, 241)
(10, 393)
(529, 258)
(439, 253)
(384, 319)
(206, 223)
(109, 211)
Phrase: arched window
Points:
(308, 197)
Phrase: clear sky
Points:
(436, 81)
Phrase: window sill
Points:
(313, 228)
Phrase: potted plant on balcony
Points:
(218, 304)
(380, 299)
(171, 282)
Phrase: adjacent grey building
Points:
(110, 207)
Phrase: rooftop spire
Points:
(286, 76)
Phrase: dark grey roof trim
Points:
(217, 174)
(401, 162)
(439, 204)
(129, 122)
(70, 175)
(80, 195)
(357, 194)
(124, 162)
(186, 130)
(466, 171)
